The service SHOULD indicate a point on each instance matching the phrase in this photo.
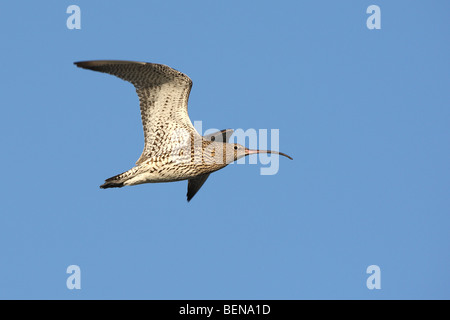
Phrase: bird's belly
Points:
(167, 174)
(151, 177)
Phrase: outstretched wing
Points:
(195, 184)
(163, 97)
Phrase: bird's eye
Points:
(235, 147)
(213, 138)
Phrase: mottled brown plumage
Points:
(173, 149)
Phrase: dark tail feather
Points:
(119, 180)
(113, 182)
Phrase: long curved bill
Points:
(249, 151)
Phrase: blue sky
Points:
(364, 113)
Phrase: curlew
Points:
(173, 149)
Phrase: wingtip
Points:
(81, 64)
(87, 64)
(98, 63)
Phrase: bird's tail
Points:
(113, 182)
(118, 180)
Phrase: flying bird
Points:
(173, 149)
